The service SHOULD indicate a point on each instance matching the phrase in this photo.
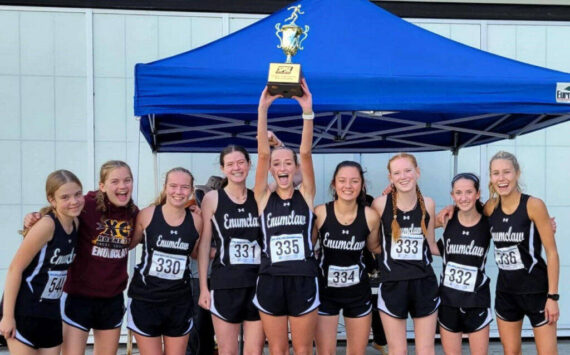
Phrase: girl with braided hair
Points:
(407, 281)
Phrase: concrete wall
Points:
(66, 101)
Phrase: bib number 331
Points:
(243, 251)
(287, 247)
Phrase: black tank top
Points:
(463, 279)
(341, 259)
(287, 247)
(237, 238)
(409, 257)
(518, 251)
(163, 273)
(43, 279)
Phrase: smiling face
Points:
(348, 183)
(283, 167)
(235, 167)
(464, 194)
(118, 186)
(504, 176)
(67, 200)
(403, 174)
(178, 188)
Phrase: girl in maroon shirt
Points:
(93, 292)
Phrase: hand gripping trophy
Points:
(285, 78)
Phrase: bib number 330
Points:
(287, 247)
(167, 266)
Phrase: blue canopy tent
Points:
(379, 84)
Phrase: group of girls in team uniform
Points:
(267, 273)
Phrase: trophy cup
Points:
(285, 78)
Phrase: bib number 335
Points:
(287, 247)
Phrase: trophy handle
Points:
(305, 34)
(277, 34)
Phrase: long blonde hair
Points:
(395, 226)
(54, 181)
(161, 199)
(493, 195)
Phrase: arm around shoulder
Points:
(143, 220)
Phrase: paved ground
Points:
(494, 349)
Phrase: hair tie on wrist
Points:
(308, 116)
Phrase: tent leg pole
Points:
(455, 151)
(155, 165)
(455, 160)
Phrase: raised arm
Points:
(209, 205)
(539, 215)
(260, 188)
(307, 188)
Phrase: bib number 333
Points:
(408, 247)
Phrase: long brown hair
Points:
(395, 226)
(54, 181)
(493, 195)
(104, 172)
(161, 199)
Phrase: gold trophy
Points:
(285, 78)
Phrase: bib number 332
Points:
(287, 247)
(460, 277)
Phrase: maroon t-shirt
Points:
(100, 266)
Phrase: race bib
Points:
(343, 276)
(242, 251)
(167, 266)
(287, 247)
(509, 258)
(54, 286)
(460, 277)
(408, 247)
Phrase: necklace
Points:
(238, 198)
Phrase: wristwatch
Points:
(553, 296)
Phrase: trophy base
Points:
(285, 79)
(285, 90)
